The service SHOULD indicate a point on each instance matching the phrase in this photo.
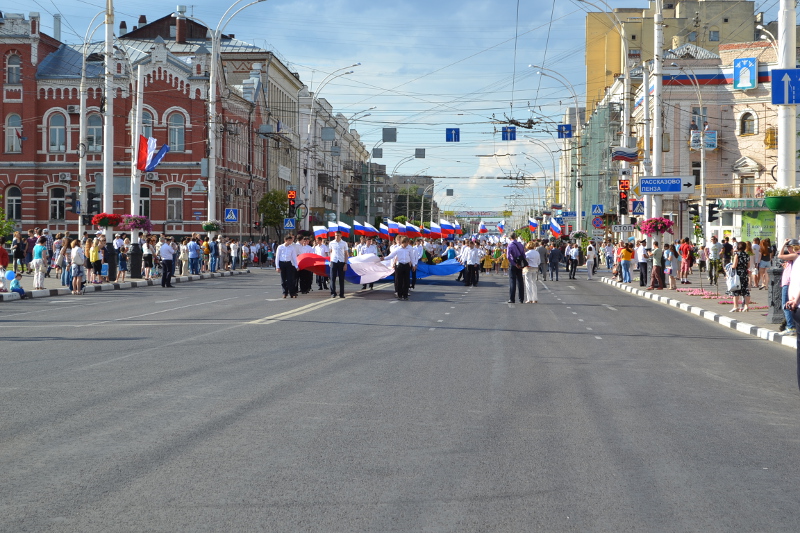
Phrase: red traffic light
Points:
(623, 195)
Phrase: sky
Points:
(425, 66)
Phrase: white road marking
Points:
(440, 321)
(574, 313)
(580, 320)
(598, 338)
(589, 329)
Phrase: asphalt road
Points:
(219, 406)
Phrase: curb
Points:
(738, 325)
(10, 296)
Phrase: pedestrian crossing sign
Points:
(231, 215)
(289, 223)
(638, 207)
(597, 210)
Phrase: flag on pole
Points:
(372, 232)
(555, 228)
(436, 231)
(501, 226)
(394, 229)
(384, 232)
(413, 231)
(148, 159)
(333, 227)
(447, 228)
(457, 228)
(360, 229)
(619, 153)
(482, 228)
(532, 224)
(425, 231)
(320, 231)
(345, 229)
(401, 228)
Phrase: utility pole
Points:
(785, 227)
(658, 128)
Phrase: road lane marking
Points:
(155, 312)
(580, 320)
(589, 329)
(295, 312)
(598, 338)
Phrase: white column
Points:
(658, 129)
(787, 127)
(108, 129)
(135, 133)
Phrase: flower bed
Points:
(107, 220)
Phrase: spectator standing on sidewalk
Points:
(788, 254)
(167, 253)
(641, 261)
(194, 256)
(764, 263)
(655, 276)
(714, 260)
(686, 260)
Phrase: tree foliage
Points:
(273, 208)
(6, 226)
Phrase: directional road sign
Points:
(622, 228)
(453, 135)
(231, 215)
(565, 131)
(597, 210)
(786, 86)
(667, 185)
(638, 208)
(597, 222)
(289, 223)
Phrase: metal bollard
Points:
(775, 314)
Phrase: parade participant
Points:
(322, 250)
(573, 258)
(369, 248)
(591, 255)
(516, 260)
(531, 272)
(471, 261)
(554, 257)
(286, 256)
(405, 261)
(306, 276)
(339, 254)
(542, 249)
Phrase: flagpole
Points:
(137, 132)
(108, 139)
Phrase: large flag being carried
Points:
(447, 228)
(148, 159)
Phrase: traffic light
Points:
(694, 210)
(72, 203)
(292, 197)
(623, 202)
(257, 224)
(624, 185)
(94, 203)
(713, 211)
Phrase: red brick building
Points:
(41, 112)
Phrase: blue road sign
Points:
(231, 215)
(676, 184)
(597, 222)
(453, 135)
(785, 86)
(560, 221)
(638, 207)
(289, 223)
(509, 133)
(597, 210)
(565, 131)
(572, 214)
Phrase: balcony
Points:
(731, 190)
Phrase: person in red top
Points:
(686, 252)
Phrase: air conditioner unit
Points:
(151, 176)
(73, 109)
(248, 192)
(238, 191)
(231, 182)
(228, 198)
(64, 176)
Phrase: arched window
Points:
(13, 133)
(94, 133)
(13, 69)
(58, 133)
(747, 124)
(144, 202)
(147, 124)
(175, 204)
(57, 208)
(13, 203)
(176, 132)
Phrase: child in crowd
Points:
(16, 287)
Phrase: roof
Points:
(690, 51)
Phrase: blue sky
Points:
(426, 65)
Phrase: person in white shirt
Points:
(166, 252)
(322, 250)
(236, 257)
(418, 249)
(369, 248)
(286, 258)
(472, 259)
(609, 250)
(590, 258)
(339, 254)
(405, 260)
(306, 276)
(641, 260)
(574, 256)
(531, 272)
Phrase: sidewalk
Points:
(710, 302)
(53, 285)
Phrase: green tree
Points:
(6, 226)
(408, 199)
(401, 219)
(273, 208)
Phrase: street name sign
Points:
(667, 185)
(623, 228)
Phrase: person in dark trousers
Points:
(286, 259)
(339, 254)
(515, 253)
(167, 253)
(554, 257)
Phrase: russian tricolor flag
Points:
(345, 229)
(360, 229)
(413, 231)
(394, 229)
(532, 224)
(333, 227)
(482, 228)
(425, 231)
(555, 228)
(148, 159)
(501, 226)
(401, 228)
(436, 231)
(384, 233)
(447, 228)
(619, 153)
(320, 231)
(372, 232)
(457, 228)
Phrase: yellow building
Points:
(706, 23)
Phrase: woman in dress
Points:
(147, 256)
(741, 264)
(763, 265)
(669, 266)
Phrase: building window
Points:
(747, 124)
(692, 37)
(696, 173)
(175, 204)
(144, 202)
(147, 124)
(633, 37)
(94, 133)
(13, 133)
(57, 210)
(13, 203)
(176, 132)
(699, 115)
(713, 35)
(58, 133)
(13, 69)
